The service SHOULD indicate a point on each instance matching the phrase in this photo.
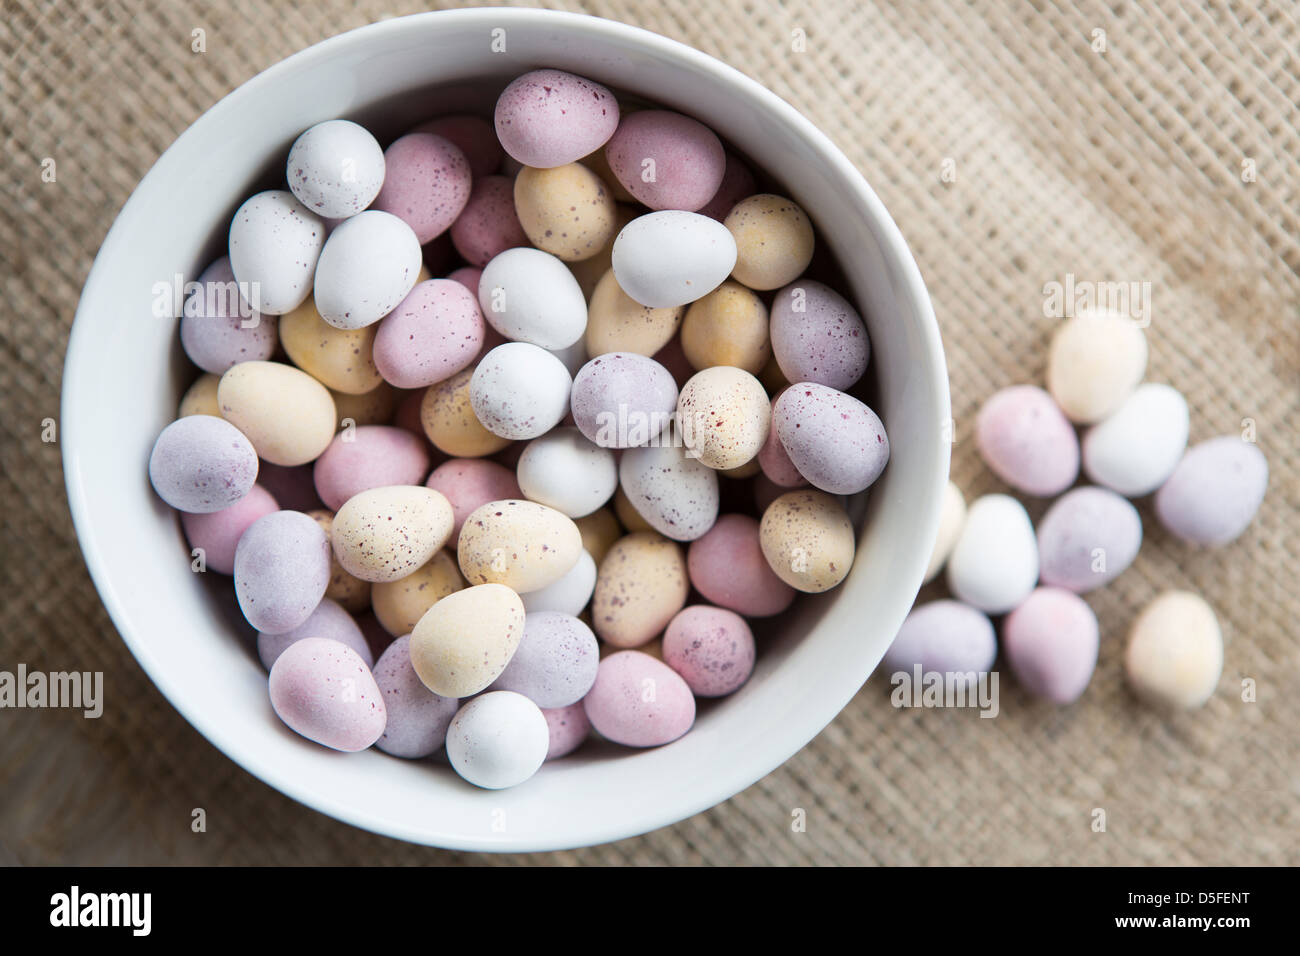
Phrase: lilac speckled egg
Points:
(426, 183)
(737, 183)
(329, 620)
(834, 440)
(488, 225)
(201, 463)
(417, 717)
(666, 160)
(1027, 441)
(218, 532)
(436, 331)
(473, 136)
(323, 690)
(470, 483)
(1051, 643)
(555, 663)
(219, 329)
(1087, 538)
(549, 118)
(944, 637)
(519, 391)
(727, 567)
(638, 701)
(775, 461)
(817, 336)
(622, 400)
(282, 568)
(370, 456)
(1214, 492)
(469, 277)
(711, 648)
(569, 727)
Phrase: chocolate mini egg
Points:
(531, 296)
(323, 690)
(737, 184)
(449, 422)
(627, 514)
(549, 118)
(463, 643)
(340, 359)
(674, 493)
(426, 185)
(570, 594)
(417, 717)
(400, 604)
(942, 637)
(1175, 651)
(807, 540)
(218, 328)
(589, 271)
(638, 701)
(565, 210)
(489, 223)
(1027, 441)
(1136, 449)
(994, 564)
(599, 531)
(952, 515)
(370, 456)
(666, 160)
(519, 391)
(565, 471)
(711, 648)
(817, 336)
(724, 415)
(375, 407)
(201, 397)
(672, 258)
(471, 482)
(834, 440)
(335, 168)
(618, 323)
(641, 584)
(286, 414)
(1051, 643)
(1087, 538)
(202, 464)
(434, 332)
(569, 727)
(282, 567)
(773, 238)
(1095, 361)
(727, 327)
(217, 533)
(555, 663)
(498, 740)
(328, 620)
(351, 593)
(727, 567)
(383, 534)
(1214, 492)
(274, 244)
(521, 544)
(368, 266)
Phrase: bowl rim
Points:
(822, 708)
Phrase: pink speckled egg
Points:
(622, 400)
(1087, 538)
(435, 332)
(834, 440)
(1027, 441)
(323, 690)
(638, 701)
(666, 160)
(555, 663)
(468, 276)
(417, 717)
(473, 136)
(569, 727)
(370, 456)
(470, 483)
(201, 464)
(775, 461)
(944, 637)
(426, 183)
(219, 329)
(817, 336)
(711, 648)
(329, 620)
(282, 568)
(727, 566)
(549, 118)
(1214, 492)
(489, 224)
(218, 532)
(737, 183)
(1051, 643)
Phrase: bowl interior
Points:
(125, 373)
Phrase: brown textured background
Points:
(1124, 165)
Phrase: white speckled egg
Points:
(568, 595)
(670, 258)
(531, 296)
(498, 740)
(1134, 450)
(994, 565)
(565, 471)
(1094, 363)
(724, 415)
(274, 244)
(674, 493)
(369, 264)
(519, 391)
(521, 544)
(384, 534)
(335, 169)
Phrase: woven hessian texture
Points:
(1131, 164)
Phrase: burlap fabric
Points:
(1014, 144)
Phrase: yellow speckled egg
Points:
(201, 397)
(772, 377)
(351, 592)
(450, 423)
(589, 272)
(375, 407)
(807, 540)
(599, 531)
(774, 241)
(283, 411)
(400, 604)
(565, 210)
(384, 534)
(640, 585)
(727, 327)
(340, 359)
(1175, 651)
(521, 544)
(464, 642)
(724, 415)
(628, 516)
(618, 323)
(748, 470)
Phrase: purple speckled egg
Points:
(775, 461)
(488, 225)
(218, 532)
(201, 464)
(323, 690)
(1087, 538)
(835, 441)
(817, 336)
(292, 486)
(1027, 441)
(282, 568)
(468, 276)
(329, 620)
(473, 136)
(549, 118)
(944, 637)
(417, 717)
(727, 567)
(639, 701)
(426, 183)
(470, 483)
(569, 727)
(622, 400)
(1214, 492)
(555, 663)
(711, 647)
(666, 160)
(219, 329)
(436, 331)
(1051, 643)
(370, 456)
(737, 183)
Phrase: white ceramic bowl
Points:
(125, 373)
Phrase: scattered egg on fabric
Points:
(952, 516)
(1175, 651)
(1214, 492)
(1137, 448)
(1051, 643)
(994, 565)
(1087, 538)
(1095, 361)
(1027, 441)
(943, 637)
